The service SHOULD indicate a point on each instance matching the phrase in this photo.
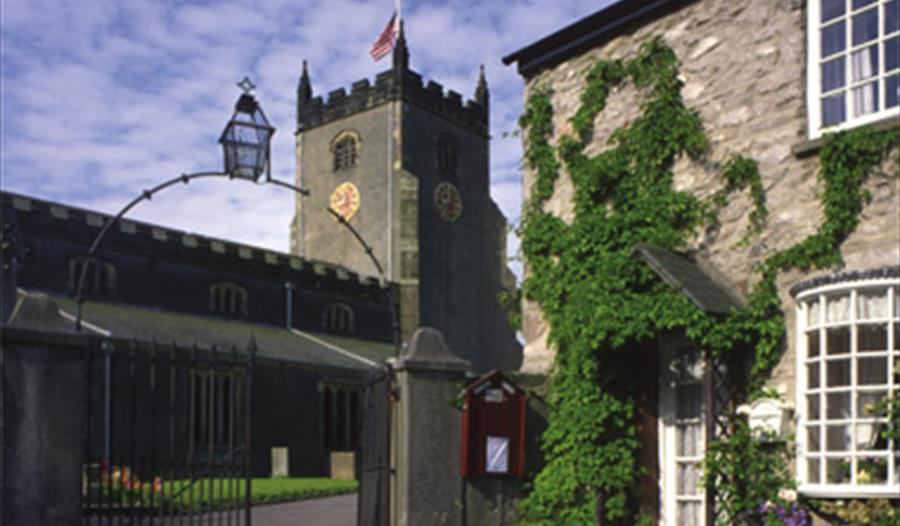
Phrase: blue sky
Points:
(100, 99)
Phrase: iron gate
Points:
(374, 485)
(167, 435)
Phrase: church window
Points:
(99, 280)
(215, 402)
(345, 150)
(849, 364)
(447, 154)
(228, 299)
(853, 62)
(339, 318)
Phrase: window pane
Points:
(838, 373)
(688, 439)
(812, 375)
(812, 470)
(868, 437)
(688, 513)
(836, 438)
(872, 371)
(865, 404)
(689, 401)
(813, 442)
(834, 110)
(812, 407)
(834, 39)
(871, 304)
(838, 340)
(865, 99)
(837, 470)
(871, 338)
(871, 470)
(892, 85)
(833, 74)
(865, 63)
(865, 26)
(891, 16)
(688, 478)
(832, 9)
(838, 405)
(838, 308)
(812, 344)
(813, 314)
(861, 3)
(892, 54)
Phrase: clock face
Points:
(345, 200)
(448, 201)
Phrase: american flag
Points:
(385, 41)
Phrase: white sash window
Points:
(853, 63)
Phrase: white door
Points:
(681, 432)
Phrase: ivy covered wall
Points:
(681, 135)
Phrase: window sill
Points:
(811, 147)
(846, 491)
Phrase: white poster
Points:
(497, 454)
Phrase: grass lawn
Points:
(216, 493)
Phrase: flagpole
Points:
(398, 6)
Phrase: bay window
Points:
(849, 364)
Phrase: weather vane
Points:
(246, 84)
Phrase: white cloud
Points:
(101, 99)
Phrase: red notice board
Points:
(493, 441)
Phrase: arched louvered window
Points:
(339, 318)
(345, 150)
(99, 281)
(228, 299)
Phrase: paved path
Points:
(330, 511)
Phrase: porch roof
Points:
(686, 276)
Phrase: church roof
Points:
(317, 351)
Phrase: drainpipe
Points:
(289, 305)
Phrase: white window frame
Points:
(891, 286)
(813, 75)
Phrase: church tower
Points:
(408, 166)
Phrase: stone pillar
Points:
(427, 438)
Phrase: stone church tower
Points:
(408, 166)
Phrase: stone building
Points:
(320, 329)
(407, 165)
(770, 80)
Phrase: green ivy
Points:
(746, 470)
(604, 307)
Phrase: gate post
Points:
(427, 441)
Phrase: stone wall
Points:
(743, 66)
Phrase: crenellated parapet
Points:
(389, 86)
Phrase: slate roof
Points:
(615, 18)
(686, 277)
(142, 323)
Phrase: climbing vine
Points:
(604, 308)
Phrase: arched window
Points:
(100, 280)
(338, 317)
(228, 299)
(345, 149)
(447, 154)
